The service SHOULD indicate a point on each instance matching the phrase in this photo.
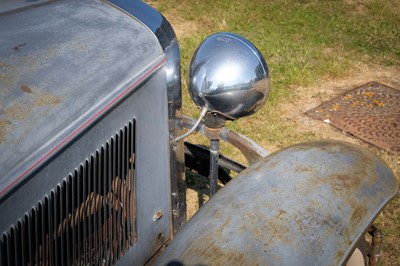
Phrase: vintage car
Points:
(92, 151)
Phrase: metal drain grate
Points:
(370, 112)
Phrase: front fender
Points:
(304, 205)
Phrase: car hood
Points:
(62, 64)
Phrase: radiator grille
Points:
(87, 219)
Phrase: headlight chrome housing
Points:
(228, 76)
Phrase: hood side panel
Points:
(60, 64)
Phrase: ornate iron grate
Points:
(87, 219)
(370, 112)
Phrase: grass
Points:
(304, 42)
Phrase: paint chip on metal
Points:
(370, 112)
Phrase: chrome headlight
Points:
(228, 76)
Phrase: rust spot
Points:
(358, 213)
(4, 127)
(5, 81)
(281, 213)
(305, 169)
(342, 181)
(18, 112)
(26, 89)
(44, 99)
(157, 215)
(224, 225)
(218, 256)
(339, 254)
(21, 111)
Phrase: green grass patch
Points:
(302, 41)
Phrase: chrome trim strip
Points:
(163, 31)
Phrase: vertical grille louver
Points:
(87, 219)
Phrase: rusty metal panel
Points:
(61, 65)
(305, 205)
(370, 112)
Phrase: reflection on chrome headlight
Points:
(228, 76)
